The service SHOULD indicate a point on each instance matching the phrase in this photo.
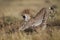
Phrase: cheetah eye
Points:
(26, 17)
(23, 17)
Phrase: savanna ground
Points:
(10, 20)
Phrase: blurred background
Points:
(11, 10)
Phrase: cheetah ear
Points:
(26, 17)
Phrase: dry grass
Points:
(9, 31)
(9, 25)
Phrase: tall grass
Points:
(9, 31)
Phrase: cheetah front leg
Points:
(44, 24)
